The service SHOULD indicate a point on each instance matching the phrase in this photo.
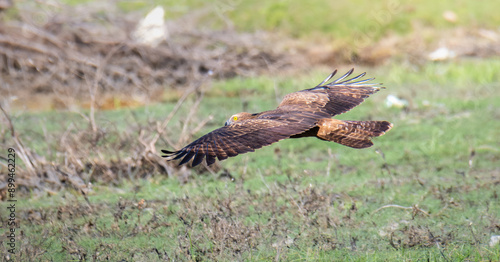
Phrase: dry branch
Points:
(23, 153)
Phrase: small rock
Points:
(450, 16)
(152, 29)
(394, 101)
(442, 54)
(494, 240)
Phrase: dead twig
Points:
(95, 85)
(437, 245)
(190, 115)
(161, 129)
(23, 152)
(473, 234)
(415, 209)
(387, 206)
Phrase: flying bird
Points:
(306, 113)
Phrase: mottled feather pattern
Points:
(237, 139)
(333, 98)
(355, 134)
(300, 114)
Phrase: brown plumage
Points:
(300, 114)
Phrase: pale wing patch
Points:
(308, 99)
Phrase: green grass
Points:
(310, 201)
(347, 22)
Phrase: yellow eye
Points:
(235, 118)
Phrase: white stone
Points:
(394, 101)
(494, 240)
(151, 30)
(442, 54)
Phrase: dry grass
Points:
(82, 48)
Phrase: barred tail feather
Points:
(355, 134)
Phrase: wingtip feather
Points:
(186, 158)
(167, 152)
(343, 77)
(328, 78)
(353, 81)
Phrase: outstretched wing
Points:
(244, 136)
(336, 97)
(297, 113)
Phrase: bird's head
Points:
(238, 117)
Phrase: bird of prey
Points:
(306, 113)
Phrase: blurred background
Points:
(92, 90)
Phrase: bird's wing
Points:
(336, 97)
(245, 136)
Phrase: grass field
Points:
(338, 20)
(305, 199)
(426, 191)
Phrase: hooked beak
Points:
(227, 123)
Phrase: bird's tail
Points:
(355, 134)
